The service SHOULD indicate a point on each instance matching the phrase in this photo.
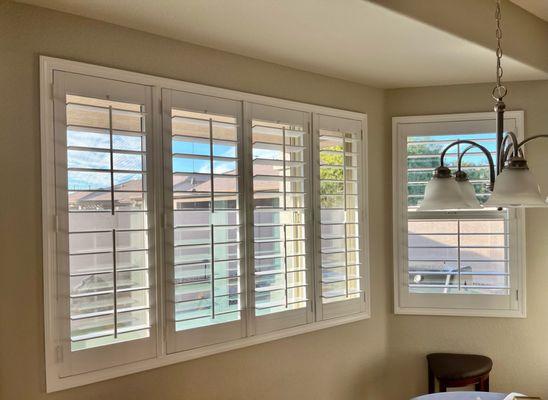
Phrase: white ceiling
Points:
(350, 39)
(536, 7)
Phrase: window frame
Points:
(54, 381)
(461, 304)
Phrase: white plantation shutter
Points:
(205, 222)
(104, 222)
(465, 259)
(449, 255)
(469, 254)
(181, 220)
(341, 257)
(280, 229)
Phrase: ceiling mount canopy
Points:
(512, 184)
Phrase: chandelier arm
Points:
(472, 144)
(523, 142)
(506, 154)
(504, 150)
(461, 156)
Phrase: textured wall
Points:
(517, 346)
(345, 362)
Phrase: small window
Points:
(459, 262)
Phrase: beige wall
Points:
(518, 346)
(344, 362)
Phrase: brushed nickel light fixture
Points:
(511, 182)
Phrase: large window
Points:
(458, 262)
(182, 220)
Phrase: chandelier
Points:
(511, 183)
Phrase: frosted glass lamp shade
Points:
(516, 187)
(469, 194)
(446, 194)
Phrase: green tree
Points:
(331, 170)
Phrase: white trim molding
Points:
(512, 305)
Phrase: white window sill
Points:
(454, 312)
(55, 383)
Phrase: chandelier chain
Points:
(500, 90)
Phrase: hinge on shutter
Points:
(59, 354)
(361, 134)
(51, 92)
(517, 295)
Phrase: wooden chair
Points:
(457, 370)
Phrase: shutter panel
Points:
(340, 224)
(456, 253)
(105, 234)
(204, 211)
(469, 255)
(280, 211)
